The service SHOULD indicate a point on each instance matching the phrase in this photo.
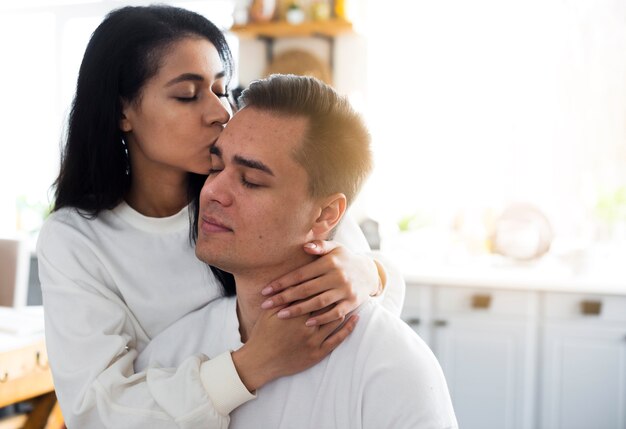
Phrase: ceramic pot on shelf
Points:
(262, 10)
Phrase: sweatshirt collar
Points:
(174, 223)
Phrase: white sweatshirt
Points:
(382, 376)
(112, 283)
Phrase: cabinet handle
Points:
(440, 323)
(591, 308)
(481, 301)
(414, 321)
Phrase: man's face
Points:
(255, 209)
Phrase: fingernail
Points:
(310, 245)
(267, 304)
(311, 322)
(267, 290)
(283, 314)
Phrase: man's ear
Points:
(125, 124)
(332, 210)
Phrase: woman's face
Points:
(180, 112)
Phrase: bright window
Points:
(474, 105)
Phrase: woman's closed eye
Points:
(187, 99)
(194, 97)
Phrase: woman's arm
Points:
(92, 339)
(275, 348)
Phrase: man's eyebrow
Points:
(193, 77)
(252, 163)
(240, 160)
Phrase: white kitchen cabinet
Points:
(526, 359)
(485, 342)
(583, 362)
(417, 310)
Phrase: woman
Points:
(116, 257)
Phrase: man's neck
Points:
(250, 284)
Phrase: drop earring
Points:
(126, 157)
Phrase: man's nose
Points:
(217, 189)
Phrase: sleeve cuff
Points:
(223, 385)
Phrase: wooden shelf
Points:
(276, 29)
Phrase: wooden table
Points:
(25, 375)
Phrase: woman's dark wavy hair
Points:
(123, 53)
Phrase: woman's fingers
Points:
(318, 302)
(305, 291)
(331, 286)
(320, 247)
(320, 268)
(336, 312)
(335, 338)
(310, 271)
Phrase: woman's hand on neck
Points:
(250, 284)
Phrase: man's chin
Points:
(208, 256)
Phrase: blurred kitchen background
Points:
(499, 132)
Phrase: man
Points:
(284, 171)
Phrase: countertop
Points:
(601, 273)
